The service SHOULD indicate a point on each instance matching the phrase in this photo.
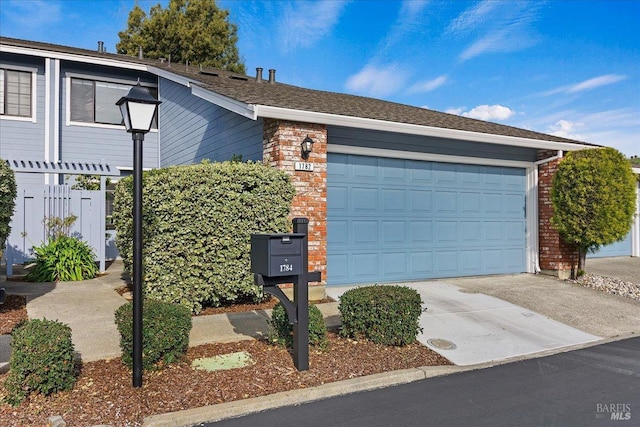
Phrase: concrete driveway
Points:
(483, 319)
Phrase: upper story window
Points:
(15, 93)
(95, 101)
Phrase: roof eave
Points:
(382, 125)
(111, 62)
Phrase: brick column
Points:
(281, 149)
(556, 257)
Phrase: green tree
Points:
(187, 30)
(8, 192)
(593, 196)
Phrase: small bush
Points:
(42, 360)
(383, 314)
(165, 332)
(63, 259)
(281, 332)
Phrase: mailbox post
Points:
(284, 258)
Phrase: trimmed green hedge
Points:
(42, 360)
(165, 333)
(384, 314)
(281, 332)
(197, 225)
(8, 192)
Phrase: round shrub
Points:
(42, 360)
(384, 314)
(165, 333)
(197, 223)
(281, 332)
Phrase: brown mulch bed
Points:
(12, 312)
(103, 393)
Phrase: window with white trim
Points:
(94, 101)
(15, 93)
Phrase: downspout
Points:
(558, 155)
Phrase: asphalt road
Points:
(596, 386)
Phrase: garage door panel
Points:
(394, 264)
(393, 171)
(470, 203)
(394, 200)
(394, 232)
(412, 220)
(420, 173)
(365, 265)
(421, 231)
(364, 232)
(445, 202)
(338, 234)
(364, 199)
(420, 201)
(421, 263)
(471, 261)
(446, 262)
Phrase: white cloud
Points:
(377, 81)
(499, 26)
(32, 14)
(456, 111)
(470, 18)
(485, 112)
(305, 23)
(586, 85)
(429, 85)
(566, 129)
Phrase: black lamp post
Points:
(138, 109)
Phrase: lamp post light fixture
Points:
(307, 147)
(138, 108)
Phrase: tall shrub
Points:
(594, 199)
(8, 192)
(197, 222)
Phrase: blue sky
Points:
(569, 68)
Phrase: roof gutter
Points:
(382, 125)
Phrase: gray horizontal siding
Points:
(193, 129)
(22, 139)
(337, 135)
(88, 143)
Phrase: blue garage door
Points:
(622, 248)
(394, 220)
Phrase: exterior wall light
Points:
(307, 147)
(138, 109)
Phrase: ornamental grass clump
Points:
(384, 314)
(42, 360)
(281, 331)
(165, 333)
(63, 257)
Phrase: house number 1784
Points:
(286, 268)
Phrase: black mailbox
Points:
(274, 255)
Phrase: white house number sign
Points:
(303, 166)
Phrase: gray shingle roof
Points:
(248, 90)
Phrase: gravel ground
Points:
(610, 286)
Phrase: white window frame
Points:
(68, 76)
(34, 93)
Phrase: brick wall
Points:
(281, 149)
(556, 256)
